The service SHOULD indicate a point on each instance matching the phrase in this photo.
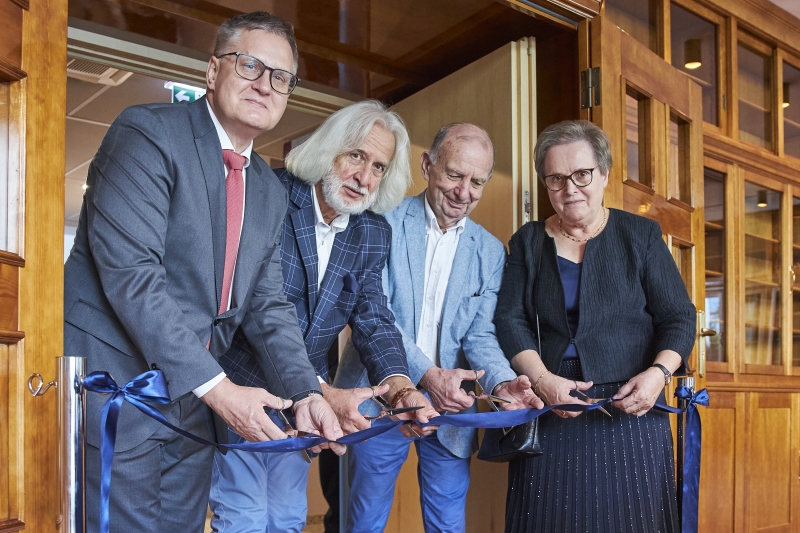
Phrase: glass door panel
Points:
(755, 97)
(714, 187)
(795, 281)
(762, 264)
(680, 186)
(791, 113)
(637, 18)
(694, 52)
(636, 142)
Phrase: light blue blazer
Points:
(467, 337)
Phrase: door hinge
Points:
(590, 88)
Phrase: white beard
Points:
(332, 190)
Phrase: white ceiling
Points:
(92, 107)
(792, 6)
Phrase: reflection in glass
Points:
(791, 113)
(694, 52)
(762, 277)
(795, 279)
(636, 138)
(755, 97)
(714, 187)
(5, 163)
(637, 18)
(678, 177)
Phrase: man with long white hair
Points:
(334, 250)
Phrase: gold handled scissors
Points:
(587, 399)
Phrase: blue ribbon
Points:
(691, 457)
(152, 387)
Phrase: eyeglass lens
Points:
(251, 68)
(581, 178)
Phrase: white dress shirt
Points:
(326, 234)
(226, 143)
(440, 251)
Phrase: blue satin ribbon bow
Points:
(152, 387)
(691, 457)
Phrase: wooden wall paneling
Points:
(787, 316)
(9, 294)
(723, 432)
(44, 58)
(771, 463)
(605, 53)
(11, 43)
(663, 22)
(733, 83)
(763, 18)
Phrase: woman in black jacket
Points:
(615, 321)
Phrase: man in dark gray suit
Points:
(178, 245)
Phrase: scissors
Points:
(481, 394)
(291, 432)
(393, 411)
(580, 394)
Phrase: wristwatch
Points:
(667, 373)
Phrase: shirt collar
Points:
(225, 141)
(432, 225)
(337, 224)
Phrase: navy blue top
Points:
(571, 281)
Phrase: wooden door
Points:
(653, 115)
(33, 53)
(497, 92)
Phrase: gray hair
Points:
(345, 130)
(438, 140)
(232, 28)
(570, 131)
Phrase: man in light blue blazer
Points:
(441, 279)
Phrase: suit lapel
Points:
(341, 262)
(209, 150)
(256, 202)
(414, 230)
(303, 225)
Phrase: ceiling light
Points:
(85, 186)
(785, 95)
(762, 198)
(693, 50)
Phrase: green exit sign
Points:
(186, 93)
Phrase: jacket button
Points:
(153, 367)
(216, 321)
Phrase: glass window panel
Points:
(714, 187)
(6, 194)
(791, 113)
(755, 97)
(678, 178)
(762, 275)
(694, 51)
(637, 18)
(636, 138)
(795, 281)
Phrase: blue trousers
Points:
(374, 466)
(254, 492)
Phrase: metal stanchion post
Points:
(72, 435)
(687, 382)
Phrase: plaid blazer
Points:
(351, 292)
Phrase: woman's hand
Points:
(639, 394)
(554, 390)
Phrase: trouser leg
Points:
(443, 485)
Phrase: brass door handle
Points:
(705, 332)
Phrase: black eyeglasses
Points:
(581, 178)
(252, 68)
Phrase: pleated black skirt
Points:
(597, 474)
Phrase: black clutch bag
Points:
(521, 442)
(501, 445)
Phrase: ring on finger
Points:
(373, 392)
(476, 374)
(283, 404)
(576, 384)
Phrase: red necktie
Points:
(234, 194)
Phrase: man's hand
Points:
(314, 415)
(444, 387)
(345, 402)
(412, 398)
(242, 408)
(519, 392)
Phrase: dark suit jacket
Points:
(633, 302)
(143, 280)
(351, 292)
